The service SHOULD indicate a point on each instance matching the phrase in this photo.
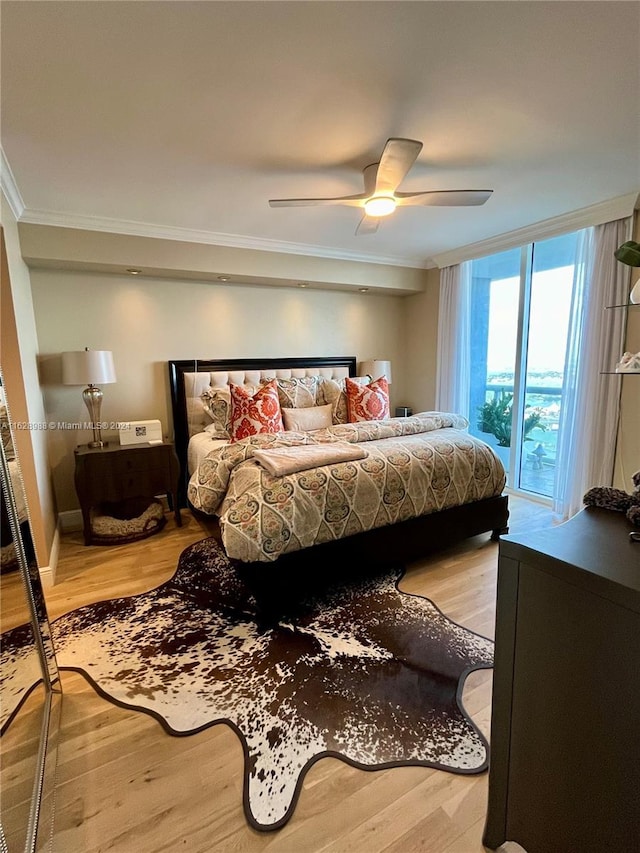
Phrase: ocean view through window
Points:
(520, 304)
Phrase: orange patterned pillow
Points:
(251, 415)
(367, 402)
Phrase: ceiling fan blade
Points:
(369, 173)
(367, 225)
(444, 198)
(398, 157)
(350, 200)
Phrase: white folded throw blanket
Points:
(287, 460)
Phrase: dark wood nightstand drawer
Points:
(149, 458)
(140, 482)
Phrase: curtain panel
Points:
(453, 375)
(591, 398)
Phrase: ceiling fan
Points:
(381, 180)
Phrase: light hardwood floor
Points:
(124, 785)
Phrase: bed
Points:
(374, 507)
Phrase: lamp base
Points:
(92, 397)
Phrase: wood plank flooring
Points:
(124, 785)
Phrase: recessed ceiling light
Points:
(303, 284)
(133, 271)
(363, 289)
(223, 278)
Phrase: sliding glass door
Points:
(520, 311)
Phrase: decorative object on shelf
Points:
(375, 368)
(90, 367)
(495, 418)
(629, 253)
(629, 363)
(619, 501)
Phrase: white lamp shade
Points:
(375, 368)
(88, 367)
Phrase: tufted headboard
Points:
(190, 377)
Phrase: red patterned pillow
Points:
(251, 415)
(367, 402)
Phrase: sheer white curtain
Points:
(454, 340)
(591, 401)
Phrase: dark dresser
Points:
(565, 730)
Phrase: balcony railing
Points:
(543, 390)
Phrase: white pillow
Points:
(309, 418)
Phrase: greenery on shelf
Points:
(496, 414)
(629, 253)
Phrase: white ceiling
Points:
(192, 115)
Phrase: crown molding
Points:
(9, 186)
(595, 214)
(187, 235)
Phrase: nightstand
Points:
(116, 473)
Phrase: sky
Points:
(548, 322)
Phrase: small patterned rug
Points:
(362, 672)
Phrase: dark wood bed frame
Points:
(396, 543)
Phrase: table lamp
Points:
(90, 367)
(375, 368)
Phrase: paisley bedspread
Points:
(414, 466)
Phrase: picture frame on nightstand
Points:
(140, 432)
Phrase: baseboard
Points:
(70, 521)
(48, 573)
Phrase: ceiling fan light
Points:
(381, 205)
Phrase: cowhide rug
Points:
(364, 672)
(20, 671)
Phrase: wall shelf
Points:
(626, 305)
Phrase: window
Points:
(520, 304)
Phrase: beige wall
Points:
(146, 322)
(52, 247)
(19, 363)
(421, 344)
